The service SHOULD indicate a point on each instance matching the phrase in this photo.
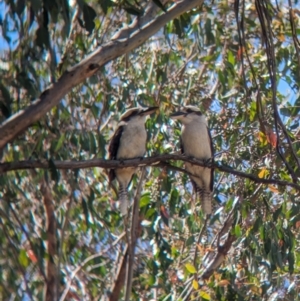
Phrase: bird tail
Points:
(123, 198)
(206, 200)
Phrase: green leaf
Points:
(36, 5)
(278, 256)
(89, 15)
(291, 261)
(160, 5)
(231, 58)
(23, 259)
(161, 76)
(267, 245)
(85, 142)
(42, 37)
(150, 212)
(190, 241)
(277, 213)
(93, 143)
(178, 29)
(252, 110)
(173, 201)
(101, 145)
(20, 7)
(5, 110)
(133, 11)
(5, 93)
(106, 5)
(221, 77)
(190, 268)
(285, 112)
(208, 30)
(85, 211)
(53, 10)
(195, 284)
(295, 125)
(237, 231)
(60, 142)
(145, 200)
(204, 295)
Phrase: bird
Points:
(128, 142)
(195, 141)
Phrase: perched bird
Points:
(128, 142)
(196, 142)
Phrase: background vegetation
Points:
(68, 70)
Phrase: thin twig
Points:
(81, 265)
(199, 239)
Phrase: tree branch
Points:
(135, 224)
(157, 160)
(51, 275)
(128, 257)
(219, 257)
(120, 280)
(126, 40)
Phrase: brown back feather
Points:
(113, 150)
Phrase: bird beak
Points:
(148, 111)
(177, 115)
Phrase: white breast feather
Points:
(133, 140)
(196, 141)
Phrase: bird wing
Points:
(181, 145)
(212, 155)
(113, 150)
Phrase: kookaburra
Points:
(128, 142)
(196, 142)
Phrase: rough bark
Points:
(51, 273)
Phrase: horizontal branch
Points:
(159, 160)
(124, 41)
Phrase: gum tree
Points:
(69, 70)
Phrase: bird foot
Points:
(189, 157)
(208, 162)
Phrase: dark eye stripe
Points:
(127, 118)
(196, 112)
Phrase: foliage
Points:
(238, 61)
